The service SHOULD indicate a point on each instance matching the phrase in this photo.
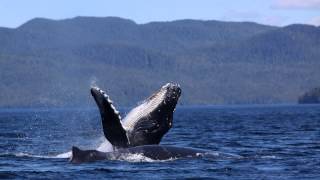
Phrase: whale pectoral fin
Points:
(111, 120)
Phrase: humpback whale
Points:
(145, 124)
(154, 152)
(140, 131)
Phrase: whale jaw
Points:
(145, 124)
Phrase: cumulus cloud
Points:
(297, 4)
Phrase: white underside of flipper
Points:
(143, 110)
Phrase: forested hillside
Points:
(310, 97)
(53, 63)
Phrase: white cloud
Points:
(297, 4)
(314, 21)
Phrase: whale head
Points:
(167, 95)
(149, 121)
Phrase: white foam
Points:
(139, 158)
(22, 154)
(105, 146)
(64, 155)
(269, 157)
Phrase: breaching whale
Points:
(145, 124)
(141, 130)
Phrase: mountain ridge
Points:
(53, 62)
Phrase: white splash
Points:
(64, 155)
(105, 146)
(139, 158)
(93, 81)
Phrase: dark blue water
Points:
(274, 142)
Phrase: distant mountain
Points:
(53, 62)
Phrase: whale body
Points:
(145, 124)
(154, 152)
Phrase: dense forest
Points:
(53, 63)
(310, 97)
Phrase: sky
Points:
(13, 13)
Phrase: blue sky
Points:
(275, 12)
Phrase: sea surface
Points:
(265, 142)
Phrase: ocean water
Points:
(266, 142)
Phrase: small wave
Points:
(32, 155)
(64, 155)
(220, 155)
(21, 154)
(269, 157)
(13, 135)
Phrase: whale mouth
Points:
(172, 93)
